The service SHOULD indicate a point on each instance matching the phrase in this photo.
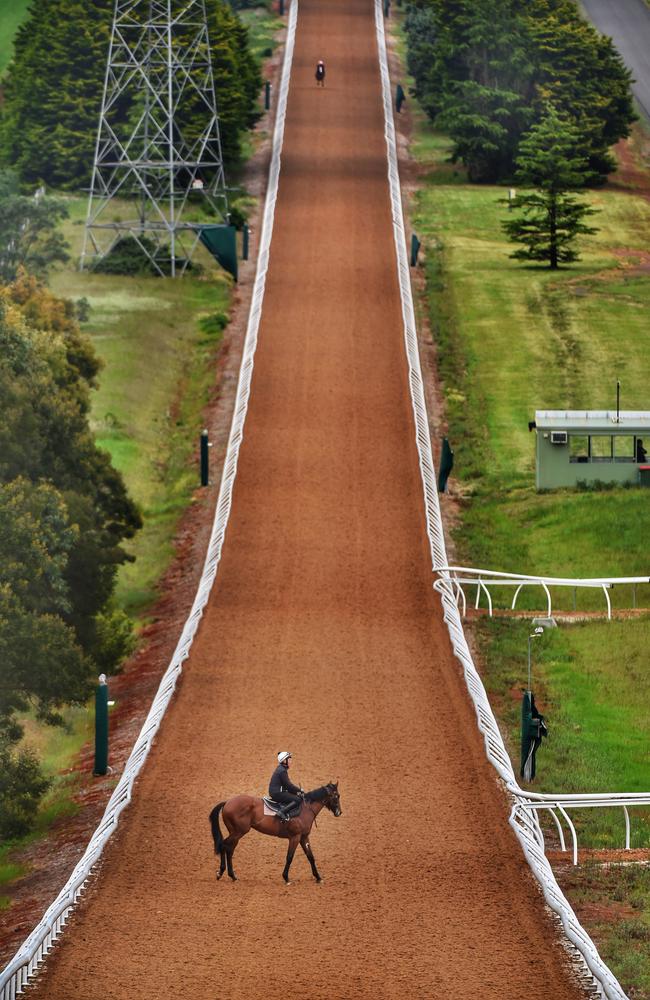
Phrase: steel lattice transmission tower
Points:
(158, 146)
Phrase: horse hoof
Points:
(219, 874)
(233, 878)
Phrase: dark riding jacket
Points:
(280, 782)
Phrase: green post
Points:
(400, 97)
(446, 465)
(244, 249)
(533, 730)
(386, 8)
(267, 95)
(205, 462)
(101, 727)
(281, 8)
(415, 249)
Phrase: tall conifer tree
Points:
(550, 159)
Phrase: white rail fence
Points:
(35, 948)
(559, 805)
(460, 577)
(523, 822)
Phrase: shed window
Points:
(601, 447)
(624, 448)
(578, 448)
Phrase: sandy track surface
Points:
(322, 636)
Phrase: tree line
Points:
(486, 71)
(64, 509)
(53, 88)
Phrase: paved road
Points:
(628, 23)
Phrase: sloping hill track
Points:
(322, 635)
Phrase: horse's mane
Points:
(318, 794)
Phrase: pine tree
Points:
(53, 91)
(53, 88)
(580, 72)
(550, 159)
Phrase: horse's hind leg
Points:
(229, 845)
(306, 846)
(222, 866)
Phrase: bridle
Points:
(326, 802)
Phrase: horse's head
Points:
(333, 799)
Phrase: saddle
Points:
(272, 808)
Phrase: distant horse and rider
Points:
(288, 812)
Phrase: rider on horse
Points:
(281, 788)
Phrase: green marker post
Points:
(101, 726)
(205, 458)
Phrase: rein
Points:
(314, 814)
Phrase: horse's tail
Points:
(216, 829)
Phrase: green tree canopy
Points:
(485, 69)
(53, 88)
(46, 371)
(64, 513)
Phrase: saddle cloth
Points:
(271, 807)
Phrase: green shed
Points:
(589, 445)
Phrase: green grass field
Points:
(12, 13)
(514, 339)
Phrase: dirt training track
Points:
(322, 636)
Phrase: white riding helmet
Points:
(283, 755)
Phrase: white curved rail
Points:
(483, 579)
(524, 823)
(535, 802)
(33, 951)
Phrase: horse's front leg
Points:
(306, 846)
(293, 843)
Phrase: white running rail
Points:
(465, 576)
(523, 822)
(35, 948)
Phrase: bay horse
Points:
(244, 812)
